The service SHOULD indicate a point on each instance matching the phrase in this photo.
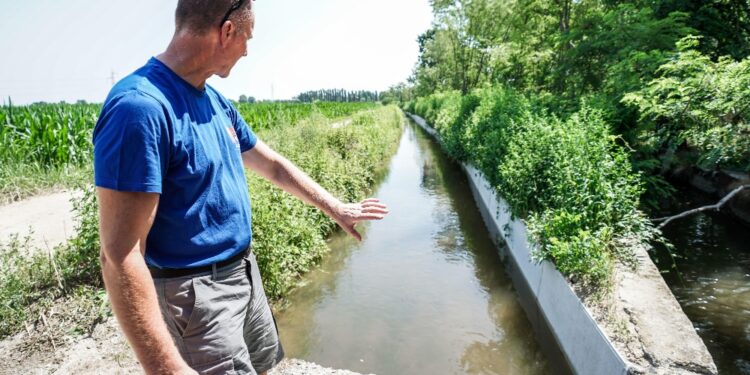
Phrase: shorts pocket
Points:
(182, 297)
(195, 308)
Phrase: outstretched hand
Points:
(349, 214)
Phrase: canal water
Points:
(425, 292)
(712, 279)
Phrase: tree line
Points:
(338, 95)
(671, 76)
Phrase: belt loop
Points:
(214, 275)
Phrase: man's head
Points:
(228, 24)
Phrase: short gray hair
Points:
(200, 16)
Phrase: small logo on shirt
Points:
(233, 135)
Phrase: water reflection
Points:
(424, 293)
(713, 286)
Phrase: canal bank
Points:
(640, 329)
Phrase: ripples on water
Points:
(713, 284)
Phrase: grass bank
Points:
(60, 293)
(570, 180)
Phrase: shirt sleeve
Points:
(131, 144)
(246, 136)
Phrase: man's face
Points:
(236, 46)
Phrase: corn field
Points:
(54, 135)
(48, 134)
(268, 115)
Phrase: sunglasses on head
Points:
(235, 6)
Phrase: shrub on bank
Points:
(568, 179)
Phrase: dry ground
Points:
(48, 218)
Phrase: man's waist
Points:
(165, 273)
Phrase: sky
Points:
(52, 50)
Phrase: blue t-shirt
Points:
(157, 133)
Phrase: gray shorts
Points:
(221, 322)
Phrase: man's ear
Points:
(226, 31)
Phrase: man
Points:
(175, 217)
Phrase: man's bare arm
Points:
(283, 173)
(125, 219)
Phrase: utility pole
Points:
(112, 77)
(272, 97)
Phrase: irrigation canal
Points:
(712, 280)
(425, 292)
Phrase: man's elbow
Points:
(114, 260)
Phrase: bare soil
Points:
(47, 219)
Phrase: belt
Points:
(166, 273)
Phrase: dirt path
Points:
(105, 351)
(49, 219)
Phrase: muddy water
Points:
(424, 293)
(712, 281)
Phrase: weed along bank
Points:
(622, 319)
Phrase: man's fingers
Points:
(375, 210)
(372, 204)
(370, 217)
(375, 200)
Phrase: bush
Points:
(450, 122)
(698, 103)
(570, 180)
(575, 186)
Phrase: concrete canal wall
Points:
(639, 329)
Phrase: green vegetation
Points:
(568, 179)
(64, 288)
(32, 281)
(338, 95)
(578, 111)
(268, 115)
(46, 146)
(687, 104)
(289, 236)
(700, 105)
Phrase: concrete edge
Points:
(643, 331)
